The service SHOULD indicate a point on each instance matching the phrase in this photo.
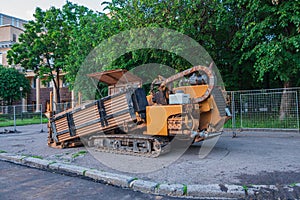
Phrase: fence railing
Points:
(265, 109)
(272, 109)
(18, 115)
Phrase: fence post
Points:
(241, 110)
(15, 125)
(297, 110)
(233, 114)
(41, 111)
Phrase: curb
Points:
(176, 190)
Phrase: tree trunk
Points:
(285, 103)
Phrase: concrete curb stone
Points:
(71, 168)
(54, 165)
(253, 189)
(12, 158)
(212, 190)
(234, 190)
(179, 190)
(170, 189)
(110, 178)
(144, 186)
(35, 162)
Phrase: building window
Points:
(50, 84)
(18, 23)
(33, 83)
(13, 21)
(14, 37)
(46, 84)
(1, 19)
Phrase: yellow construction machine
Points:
(187, 105)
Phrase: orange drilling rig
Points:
(188, 105)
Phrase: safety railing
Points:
(18, 115)
(272, 109)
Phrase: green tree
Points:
(45, 43)
(192, 18)
(268, 37)
(227, 58)
(91, 30)
(10, 82)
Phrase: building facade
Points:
(10, 30)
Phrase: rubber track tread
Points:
(164, 148)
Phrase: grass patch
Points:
(39, 157)
(32, 156)
(2, 151)
(293, 185)
(263, 121)
(184, 189)
(79, 153)
(20, 122)
(157, 186)
(245, 187)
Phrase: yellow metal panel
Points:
(195, 91)
(205, 106)
(157, 118)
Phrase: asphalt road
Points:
(19, 182)
(250, 158)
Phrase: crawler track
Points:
(130, 145)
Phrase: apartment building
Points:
(10, 30)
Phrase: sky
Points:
(24, 9)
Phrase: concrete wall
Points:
(5, 33)
(3, 58)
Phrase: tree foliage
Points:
(45, 43)
(254, 43)
(267, 37)
(91, 30)
(192, 18)
(257, 41)
(11, 81)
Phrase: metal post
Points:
(42, 130)
(21, 90)
(15, 125)
(233, 114)
(297, 110)
(241, 110)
